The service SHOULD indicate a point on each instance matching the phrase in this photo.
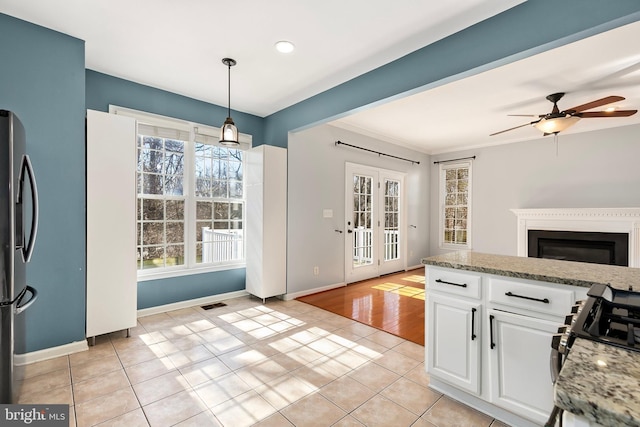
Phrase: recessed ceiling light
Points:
(284, 46)
(610, 109)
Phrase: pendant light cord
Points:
(229, 90)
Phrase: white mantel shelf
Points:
(605, 220)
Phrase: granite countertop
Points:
(544, 270)
(600, 382)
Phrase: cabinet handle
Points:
(491, 331)
(544, 300)
(462, 285)
(473, 324)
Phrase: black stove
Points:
(610, 316)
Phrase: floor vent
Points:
(214, 305)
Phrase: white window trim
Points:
(442, 191)
(194, 129)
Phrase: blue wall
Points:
(102, 90)
(42, 81)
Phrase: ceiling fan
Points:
(557, 121)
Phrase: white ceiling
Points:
(178, 46)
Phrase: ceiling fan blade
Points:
(522, 115)
(507, 130)
(618, 113)
(596, 103)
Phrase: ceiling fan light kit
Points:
(229, 131)
(557, 121)
(555, 125)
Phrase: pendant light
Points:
(229, 131)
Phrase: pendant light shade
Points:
(229, 131)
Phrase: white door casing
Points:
(375, 222)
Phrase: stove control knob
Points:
(562, 329)
(555, 341)
(563, 347)
(569, 319)
(575, 309)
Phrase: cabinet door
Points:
(453, 349)
(520, 378)
(112, 283)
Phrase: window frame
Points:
(198, 133)
(443, 167)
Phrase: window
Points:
(455, 202)
(190, 203)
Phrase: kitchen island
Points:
(490, 319)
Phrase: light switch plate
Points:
(327, 213)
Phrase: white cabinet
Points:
(495, 358)
(519, 348)
(111, 226)
(453, 350)
(266, 220)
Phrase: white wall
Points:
(592, 169)
(316, 181)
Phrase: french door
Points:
(374, 222)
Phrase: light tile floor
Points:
(283, 363)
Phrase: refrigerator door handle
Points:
(20, 306)
(27, 250)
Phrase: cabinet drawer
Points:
(538, 298)
(453, 282)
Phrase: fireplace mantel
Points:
(611, 220)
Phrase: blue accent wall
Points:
(152, 293)
(529, 28)
(103, 90)
(42, 81)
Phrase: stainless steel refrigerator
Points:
(18, 228)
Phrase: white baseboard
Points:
(52, 352)
(190, 303)
(415, 267)
(294, 295)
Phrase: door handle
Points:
(20, 306)
(27, 250)
(349, 231)
(473, 324)
(462, 285)
(493, 344)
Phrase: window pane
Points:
(221, 210)
(203, 229)
(204, 210)
(175, 209)
(220, 189)
(152, 209)
(235, 189)
(175, 232)
(203, 187)
(152, 233)
(152, 184)
(152, 257)
(175, 255)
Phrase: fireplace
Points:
(579, 223)
(593, 247)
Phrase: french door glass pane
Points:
(362, 215)
(391, 220)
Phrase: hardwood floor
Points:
(393, 303)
